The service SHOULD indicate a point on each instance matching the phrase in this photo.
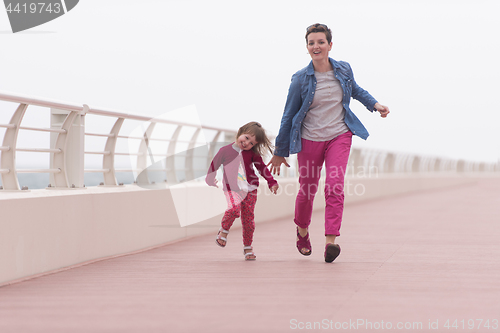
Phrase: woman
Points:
(318, 125)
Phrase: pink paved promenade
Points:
(412, 263)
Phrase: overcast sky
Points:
(434, 63)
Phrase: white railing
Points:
(67, 145)
(172, 150)
(387, 162)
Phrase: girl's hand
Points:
(215, 183)
(274, 188)
(384, 110)
(276, 162)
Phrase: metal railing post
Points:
(108, 160)
(71, 143)
(389, 163)
(170, 163)
(8, 155)
(143, 154)
(189, 161)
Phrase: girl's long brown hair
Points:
(263, 144)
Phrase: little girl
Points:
(240, 182)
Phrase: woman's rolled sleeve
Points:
(292, 106)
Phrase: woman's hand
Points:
(384, 110)
(275, 163)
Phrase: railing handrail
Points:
(117, 114)
(44, 102)
(17, 98)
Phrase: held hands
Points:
(384, 110)
(274, 188)
(275, 163)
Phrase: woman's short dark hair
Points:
(318, 27)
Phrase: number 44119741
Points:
(34, 7)
(472, 324)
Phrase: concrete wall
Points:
(49, 230)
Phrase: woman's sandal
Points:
(304, 243)
(332, 251)
(219, 237)
(247, 254)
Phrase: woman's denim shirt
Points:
(300, 97)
